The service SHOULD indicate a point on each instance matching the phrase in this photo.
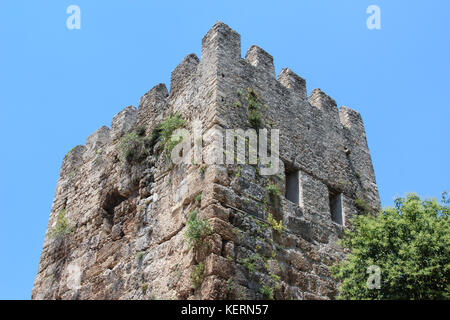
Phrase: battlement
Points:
(260, 59)
(292, 81)
(152, 104)
(221, 42)
(182, 73)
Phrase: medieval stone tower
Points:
(127, 224)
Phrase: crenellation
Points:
(123, 122)
(294, 82)
(73, 160)
(221, 43)
(260, 59)
(321, 100)
(359, 155)
(152, 105)
(351, 119)
(96, 141)
(183, 73)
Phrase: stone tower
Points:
(123, 220)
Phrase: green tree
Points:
(410, 243)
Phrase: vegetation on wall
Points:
(250, 262)
(139, 256)
(275, 207)
(196, 234)
(276, 225)
(362, 206)
(198, 275)
(197, 230)
(254, 107)
(61, 228)
(166, 129)
(133, 148)
(409, 243)
(136, 146)
(274, 192)
(267, 292)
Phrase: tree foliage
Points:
(409, 242)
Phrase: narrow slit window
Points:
(292, 186)
(336, 207)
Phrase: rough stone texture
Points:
(129, 220)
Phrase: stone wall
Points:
(128, 220)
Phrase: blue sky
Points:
(57, 86)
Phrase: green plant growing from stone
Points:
(273, 191)
(267, 292)
(130, 148)
(198, 198)
(276, 280)
(361, 206)
(274, 197)
(274, 252)
(238, 171)
(198, 275)
(135, 146)
(61, 228)
(254, 113)
(166, 129)
(139, 256)
(170, 145)
(250, 262)
(276, 225)
(197, 230)
(169, 125)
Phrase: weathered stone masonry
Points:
(129, 219)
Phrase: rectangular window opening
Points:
(336, 206)
(292, 186)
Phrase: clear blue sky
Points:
(57, 86)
